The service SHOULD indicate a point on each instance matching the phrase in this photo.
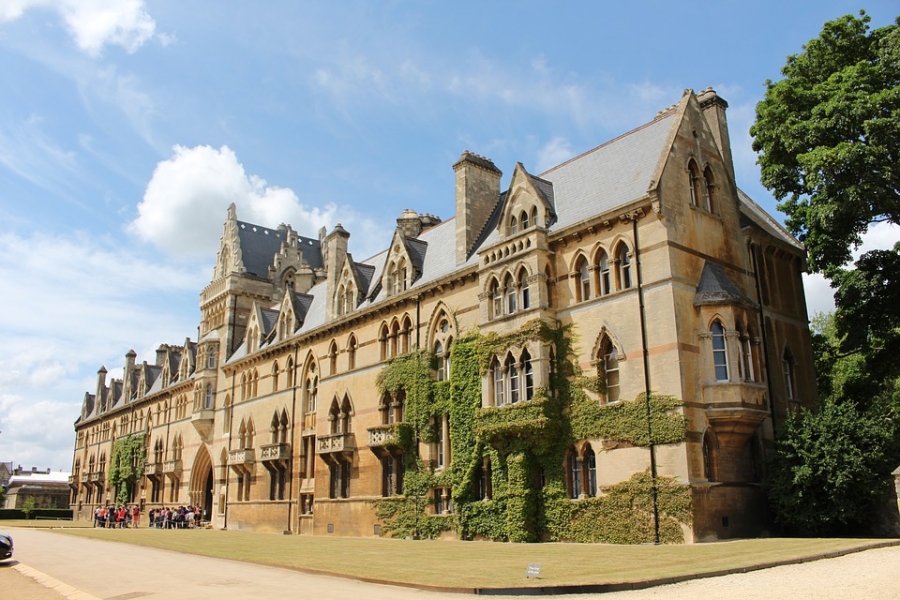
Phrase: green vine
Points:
(525, 446)
(126, 465)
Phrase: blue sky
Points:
(127, 127)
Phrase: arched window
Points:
(720, 354)
(523, 289)
(603, 272)
(513, 226)
(694, 183)
(311, 397)
(351, 352)
(624, 260)
(211, 358)
(528, 375)
(534, 217)
(709, 189)
(747, 361)
(208, 400)
(289, 373)
(512, 293)
(589, 464)
(524, 220)
(499, 384)
(332, 358)
(384, 341)
(512, 370)
(583, 291)
(404, 335)
(275, 374)
(574, 474)
(608, 370)
(395, 338)
(496, 299)
(787, 367)
(439, 353)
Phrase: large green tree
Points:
(828, 137)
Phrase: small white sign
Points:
(533, 571)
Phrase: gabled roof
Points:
(610, 175)
(258, 247)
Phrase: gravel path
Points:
(152, 573)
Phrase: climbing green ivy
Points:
(126, 465)
(525, 446)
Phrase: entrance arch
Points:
(201, 490)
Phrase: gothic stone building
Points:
(663, 275)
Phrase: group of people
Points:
(182, 517)
(117, 516)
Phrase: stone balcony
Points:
(152, 469)
(332, 445)
(97, 476)
(172, 468)
(274, 452)
(381, 435)
(242, 460)
(73, 480)
(85, 477)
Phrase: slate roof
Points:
(752, 214)
(259, 245)
(610, 175)
(716, 288)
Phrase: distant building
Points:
(658, 272)
(49, 490)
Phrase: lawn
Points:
(478, 564)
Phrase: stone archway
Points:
(201, 490)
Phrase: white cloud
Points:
(554, 152)
(819, 293)
(186, 200)
(71, 304)
(94, 24)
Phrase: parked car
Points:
(6, 546)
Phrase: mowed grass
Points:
(45, 523)
(477, 564)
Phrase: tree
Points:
(28, 506)
(828, 137)
(827, 474)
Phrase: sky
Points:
(128, 127)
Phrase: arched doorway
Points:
(201, 492)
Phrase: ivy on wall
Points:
(126, 465)
(526, 446)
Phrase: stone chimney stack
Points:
(714, 110)
(128, 383)
(410, 223)
(161, 355)
(335, 251)
(477, 193)
(101, 386)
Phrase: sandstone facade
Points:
(670, 277)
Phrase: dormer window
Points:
(525, 223)
(513, 226)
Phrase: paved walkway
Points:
(84, 569)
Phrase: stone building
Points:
(630, 276)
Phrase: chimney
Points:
(161, 355)
(101, 386)
(714, 110)
(335, 251)
(477, 193)
(128, 383)
(409, 222)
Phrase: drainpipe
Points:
(654, 492)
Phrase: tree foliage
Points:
(828, 474)
(828, 137)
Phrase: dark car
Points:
(6, 546)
